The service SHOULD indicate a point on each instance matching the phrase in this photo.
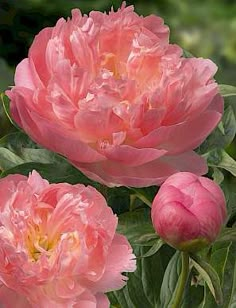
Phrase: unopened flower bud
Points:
(188, 211)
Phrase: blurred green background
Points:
(206, 28)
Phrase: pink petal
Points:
(95, 125)
(88, 300)
(176, 223)
(152, 173)
(183, 136)
(209, 217)
(37, 53)
(51, 135)
(169, 194)
(120, 259)
(7, 185)
(11, 299)
(216, 193)
(131, 156)
(37, 183)
(102, 301)
(156, 25)
(181, 180)
(23, 75)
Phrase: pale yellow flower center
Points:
(37, 242)
(110, 62)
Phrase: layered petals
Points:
(58, 245)
(189, 211)
(109, 89)
(152, 173)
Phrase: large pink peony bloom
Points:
(188, 211)
(111, 94)
(58, 246)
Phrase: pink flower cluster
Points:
(58, 246)
(189, 211)
(111, 94)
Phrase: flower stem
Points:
(144, 199)
(182, 280)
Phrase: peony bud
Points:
(188, 211)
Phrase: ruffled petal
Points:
(184, 136)
(49, 134)
(131, 156)
(153, 173)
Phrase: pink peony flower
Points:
(188, 211)
(111, 94)
(58, 246)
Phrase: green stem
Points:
(182, 280)
(144, 199)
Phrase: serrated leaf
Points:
(210, 276)
(227, 90)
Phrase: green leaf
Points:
(137, 227)
(219, 158)
(118, 198)
(170, 281)
(187, 54)
(227, 90)
(54, 173)
(194, 293)
(9, 159)
(227, 126)
(145, 194)
(154, 249)
(6, 107)
(224, 262)
(210, 276)
(217, 175)
(16, 141)
(223, 135)
(120, 299)
(19, 154)
(227, 235)
(16, 148)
